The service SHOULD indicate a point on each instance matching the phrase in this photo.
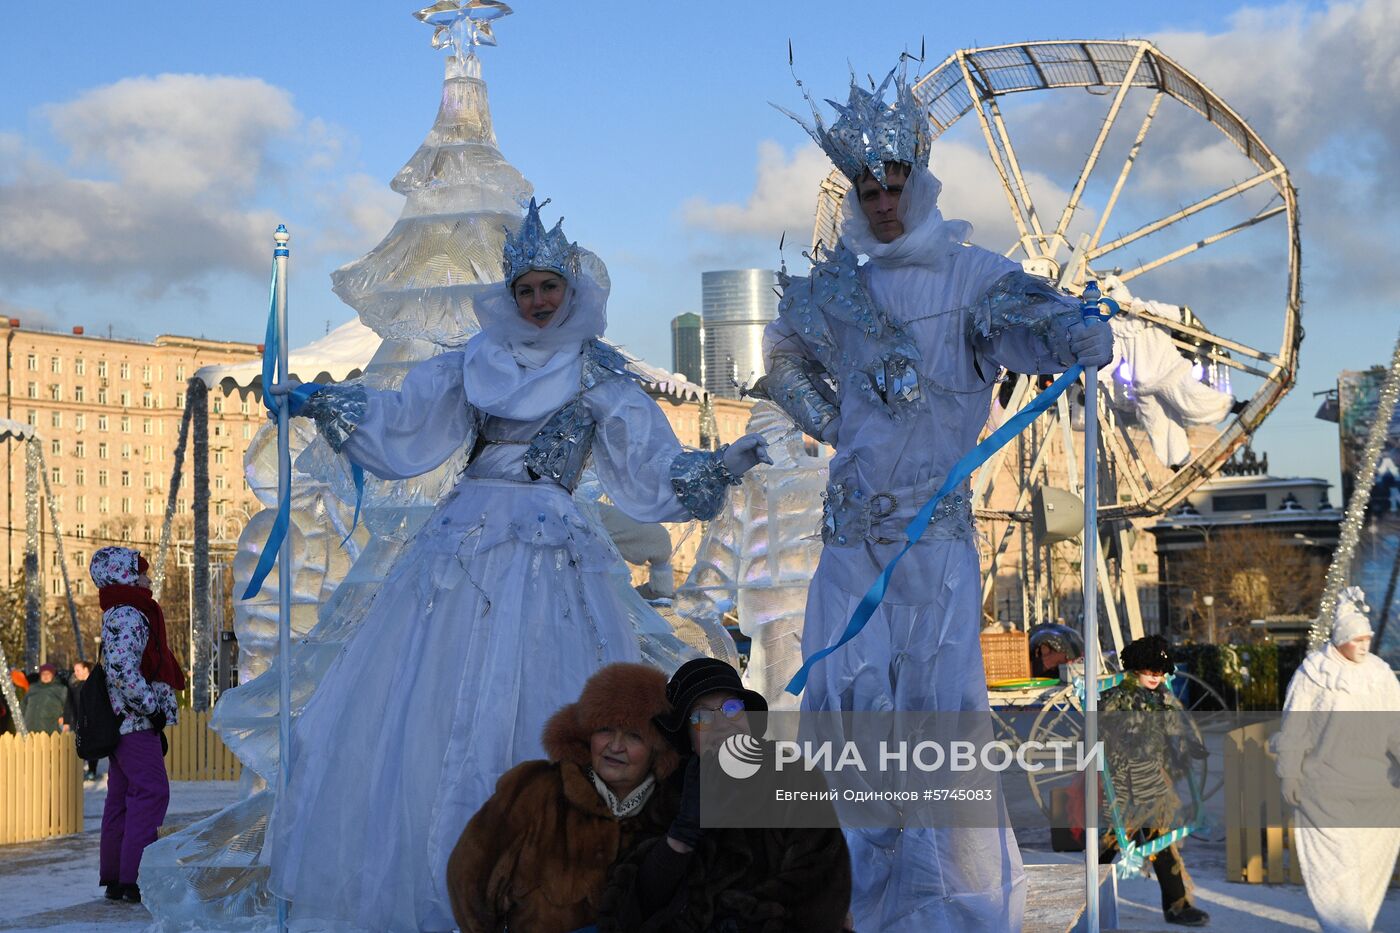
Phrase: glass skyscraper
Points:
(688, 347)
(736, 305)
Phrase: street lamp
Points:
(1210, 606)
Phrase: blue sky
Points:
(147, 149)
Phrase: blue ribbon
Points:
(963, 469)
(270, 365)
(295, 401)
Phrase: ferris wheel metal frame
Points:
(1136, 486)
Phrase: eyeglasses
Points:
(701, 718)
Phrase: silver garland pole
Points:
(200, 609)
(62, 563)
(33, 586)
(158, 577)
(1363, 482)
(7, 687)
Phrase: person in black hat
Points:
(709, 703)
(770, 878)
(1149, 744)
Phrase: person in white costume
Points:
(501, 608)
(1338, 755)
(893, 362)
(1154, 380)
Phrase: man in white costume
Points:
(1338, 752)
(1155, 381)
(893, 362)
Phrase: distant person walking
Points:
(44, 704)
(142, 677)
(81, 670)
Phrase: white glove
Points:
(1292, 792)
(283, 388)
(745, 454)
(1091, 342)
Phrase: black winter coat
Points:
(754, 879)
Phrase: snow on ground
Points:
(52, 885)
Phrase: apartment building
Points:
(108, 412)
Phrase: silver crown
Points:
(868, 132)
(532, 248)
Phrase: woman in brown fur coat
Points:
(536, 856)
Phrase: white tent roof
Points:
(346, 351)
(15, 429)
(663, 381)
(341, 354)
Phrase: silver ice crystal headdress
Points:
(533, 248)
(869, 132)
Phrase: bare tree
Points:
(1252, 574)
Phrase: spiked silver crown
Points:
(533, 248)
(868, 132)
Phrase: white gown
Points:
(920, 651)
(1347, 832)
(490, 621)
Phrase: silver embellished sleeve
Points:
(701, 481)
(791, 385)
(337, 411)
(1019, 300)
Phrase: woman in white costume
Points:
(1338, 754)
(893, 362)
(501, 608)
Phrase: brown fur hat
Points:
(623, 695)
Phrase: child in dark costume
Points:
(1148, 744)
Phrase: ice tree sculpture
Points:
(758, 556)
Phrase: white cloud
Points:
(786, 185)
(367, 209)
(170, 180)
(177, 135)
(783, 197)
(972, 191)
(1321, 87)
(28, 317)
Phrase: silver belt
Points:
(850, 515)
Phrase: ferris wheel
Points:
(1151, 235)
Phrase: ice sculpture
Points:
(759, 555)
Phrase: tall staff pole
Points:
(1091, 625)
(284, 553)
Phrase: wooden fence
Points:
(41, 787)
(1259, 826)
(197, 753)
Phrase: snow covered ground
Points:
(52, 885)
